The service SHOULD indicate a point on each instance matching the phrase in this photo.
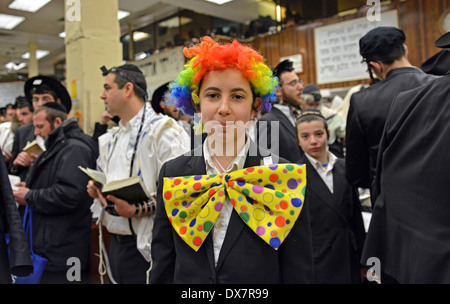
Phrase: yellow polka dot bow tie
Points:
(268, 199)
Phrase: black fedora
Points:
(42, 82)
(443, 42)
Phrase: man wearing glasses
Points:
(276, 129)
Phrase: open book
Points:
(13, 180)
(33, 148)
(130, 189)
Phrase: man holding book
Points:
(38, 90)
(139, 146)
(55, 192)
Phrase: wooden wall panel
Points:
(418, 18)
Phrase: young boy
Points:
(336, 221)
(245, 242)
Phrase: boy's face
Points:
(312, 138)
(226, 101)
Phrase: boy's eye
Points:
(212, 95)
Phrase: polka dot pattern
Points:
(268, 199)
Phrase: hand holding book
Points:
(127, 197)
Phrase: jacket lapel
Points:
(315, 184)
(339, 181)
(285, 122)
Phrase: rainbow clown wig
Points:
(209, 55)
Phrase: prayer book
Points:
(131, 189)
(33, 148)
(13, 180)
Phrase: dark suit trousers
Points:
(128, 266)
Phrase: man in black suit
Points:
(409, 230)
(281, 119)
(384, 52)
(38, 90)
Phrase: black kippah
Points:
(284, 66)
(130, 67)
(310, 112)
(55, 106)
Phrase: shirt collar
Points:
(318, 165)
(133, 122)
(237, 163)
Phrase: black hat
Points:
(438, 64)
(284, 66)
(381, 41)
(158, 96)
(55, 106)
(48, 83)
(312, 89)
(137, 78)
(443, 41)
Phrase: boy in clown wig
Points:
(227, 213)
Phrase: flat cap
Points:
(381, 41)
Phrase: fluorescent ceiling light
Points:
(140, 56)
(39, 54)
(15, 67)
(28, 5)
(138, 36)
(122, 14)
(9, 21)
(220, 2)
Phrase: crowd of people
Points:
(264, 188)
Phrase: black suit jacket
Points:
(244, 257)
(337, 227)
(284, 143)
(366, 118)
(22, 135)
(410, 229)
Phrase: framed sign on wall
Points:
(337, 48)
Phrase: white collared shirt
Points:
(221, 224)
(325, 172)
(286, 110)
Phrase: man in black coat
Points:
(276, 129)
(409, 230)
(56, 192)
(384, 52)
(38, 91)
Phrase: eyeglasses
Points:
(295, 83)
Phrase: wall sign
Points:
(337, 48)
